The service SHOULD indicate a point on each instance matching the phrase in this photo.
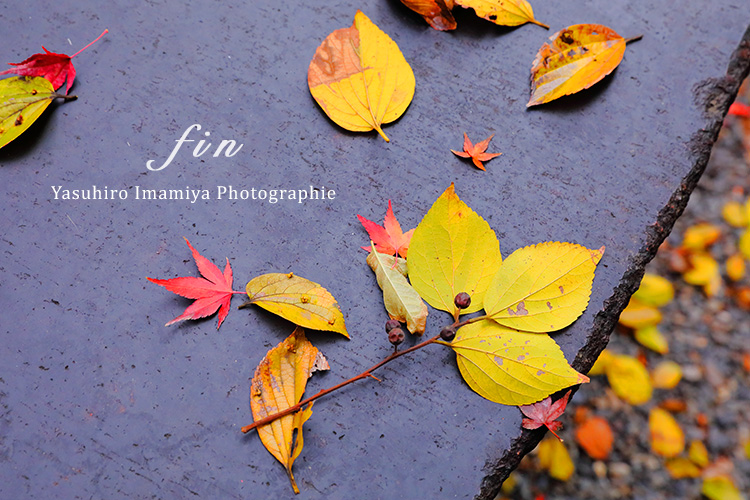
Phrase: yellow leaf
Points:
(747, 449)
(654, 291)
(667, 438)
(298, 300)
(698, 453)
(23, 100)
(503, 12)
(735, 266)
(360, 78)
(651, 337)
(579, 56)
(744, 244)
(600, 365)
(734, 214)
(680, 468)
(700, 236)
(511, 367)
(279, 383)
(401, 300)
(637, 315)
(554, 456)
(453, 250)
(721, 488)
(666, 375)
(629, 379)
(543, 287)
(704, 269)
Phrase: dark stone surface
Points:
(99, 400)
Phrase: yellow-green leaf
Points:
(453, 250)
(638, 315)
(698, 453)
(297, 299)
(543, 287)
(360, 78)
(629, 379)
(681, 467)
(401, 300)
(667, 438)
(23, 100)
(279, 383)
(511, 367)
(554, 456)
(579, 56)
(654, 291)
(721, 488)
(503, 12)
(651, 337)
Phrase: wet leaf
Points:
(437, 13)
(595, 437)
(360, 78)
(667, 438)
(22, 101)
(554, 456)
(279, 383)
(652, 338)
(735, 267)
(476, 151)
(298, 300)
(680, 468)
(453, 250)
(638, 315)
(511, 367)
(698, 453)
(212, 292)
(666, 375)
(700, 236)
(543, 287)
(503, 12)
(600, 365)
(401, 300)
(388, 238)
(734, 214)
(578, 57)
(721, 488)
(545, 413)
(654, 291)
(629, 379)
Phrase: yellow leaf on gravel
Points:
(700, 236)
(651, 337)
(734, 214)
(453, 250)
(721, 488)
(629, 379)
(667, 438)
(511, 367)
(554, 456)
(503, 12)
(744, 244)
(666, 375)
(22, 100)
(543, 287)
(360, 78)
(279, 383)
(578, 57)
(704, 269)
(736, 267)
(401, 300)
(680, 468)
(600, 365)
(298, 300)
(654, 291)
(698, 453)
(637, 315)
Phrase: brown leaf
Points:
(437, 13)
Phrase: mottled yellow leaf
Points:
(543, 287)
(298, 300)
(744, 244)
(651, 337)
(700, 236)
(734, 214)
(629, 379)
(637, 315)
(698, 453)
(360, 78)
(23, 100)
(279, 383)
(654, 291)
(721, 488)
(667, 438)
(578, 57)
(503, 12)
(666, 375)
(600, 365)
(681, 467)
(736, 267)
(401, 300)
(511, 367)
(453, 250)
(554, 456)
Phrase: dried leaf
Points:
(388, 238)
(698, 453)
(666, 375)
(554, 456)
(279, 383)
(579, 56)
(667, 438)
(212, 292)
(595, 437)
(545, 413)
(735, 267)
(700, 236)
(22, 101)
(654, 291)
(511, 367)
(680, 468)
(543, 287)
(476, 152)
(721, 488)
(298, 300)
(651, 337)
(401, 300)
(453, 250)
(734, 214)
(637, 315)
(437, 13)
(360, 78)
(629, 379)
(503, 12)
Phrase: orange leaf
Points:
(437, 13)
(388, 238)
(595, 437)
(476, 151)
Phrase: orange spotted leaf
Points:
(388, 238)
(546, 413)
(476, 151)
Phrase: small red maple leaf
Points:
(476, 152)
(388, 238)
(212, 292)
(54, 67)
(739, 109)
(545, 412)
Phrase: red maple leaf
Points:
(545, 412)
(212, 292)
(739, 109)
(54, 67)
(476, 152)
(388, 238)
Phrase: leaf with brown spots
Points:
(437, 13)
(476, 151)
(22, 101)
(503, 12)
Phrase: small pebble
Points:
(600, 469)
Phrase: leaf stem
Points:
(634, 39)
(539, 24)
(365, 374)
(90, 44)
(66, 97)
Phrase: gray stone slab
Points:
(99, 400)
